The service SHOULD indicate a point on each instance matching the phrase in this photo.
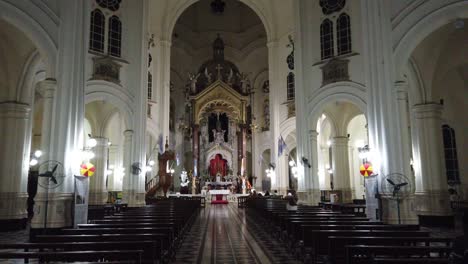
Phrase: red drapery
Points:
(218, 164)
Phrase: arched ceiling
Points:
(15, 50)
(238, 24)
(442, 51)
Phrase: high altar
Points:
(218, 97)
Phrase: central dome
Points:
(220, 69)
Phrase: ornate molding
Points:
(105, 68)
(336, 70)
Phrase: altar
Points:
(218, 183)
(219, 196)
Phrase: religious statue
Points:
(243, 79)
(184, 182)
(229, 78)
(193, 82)
(266, 86)
(208, 76)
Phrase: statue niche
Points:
(218, 125)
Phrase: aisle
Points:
(222, 234)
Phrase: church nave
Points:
(226, 234)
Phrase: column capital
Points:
(429, 110)
(272, 43)
(340, 141)
(14, 110)
(47, 87)
(165, 43)
(128, 133)
(102, 141)
(401, 86)
(313, 133)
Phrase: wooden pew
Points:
(357, 254)
(336, 244)
(135, 256)
(149, 248)
(317, 240)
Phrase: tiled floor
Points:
(223, 234)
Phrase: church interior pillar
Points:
(242, 149)
(97, 183)
(14, 163)
(47, 89)
(312, 187)
(341, 180)
(127, 165)
(431, 185)
(196, 148)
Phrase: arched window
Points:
(290, 86)
(326, 39)
(450, 154)
(115, 36)
(343, 32)
(150, 85)
(96, 37)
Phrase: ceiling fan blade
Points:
(391, 182)
(55, 168)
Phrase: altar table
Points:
(220, 196)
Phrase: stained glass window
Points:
(326, 39)
(96, 37)
(343, 31)
(112, 5)
(290, 86)
(115, 36)
(450, 154)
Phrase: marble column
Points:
(407, 214)
(47, 89)
(14, 164)
(195, 150)
(402, 100)
(127, 165)
(242, 150)
(431, 183)
(274, 59)
(313, 186)
(97, 183)
(341, 179)
(161, 82)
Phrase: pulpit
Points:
(165, 169)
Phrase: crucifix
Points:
(219, 68)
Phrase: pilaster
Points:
(97, 183)
(47, 90)
(127, 165)
(14, 164)
(431, 183)
(341, 180)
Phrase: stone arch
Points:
(415, 32)
(105, 91)
(171, 18)
(40, 28)
(344, 91)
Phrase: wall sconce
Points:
(35, 158)
(306, 162)
(364, 152)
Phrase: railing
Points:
(151, 183)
